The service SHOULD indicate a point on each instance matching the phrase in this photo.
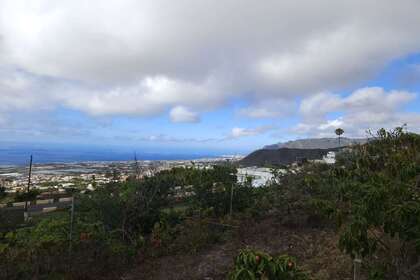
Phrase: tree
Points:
(374, 195)
(339, 132)
(94, 184)
(27, 196)
(2, 191)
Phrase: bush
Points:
(250, 264)
(194, 235)
(373, 193)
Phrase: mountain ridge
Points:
(283, 156)
(292, 151)
(316, 143)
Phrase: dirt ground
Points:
(315, 250)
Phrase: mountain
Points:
(282, 156)
(317, 143)
(292, 151)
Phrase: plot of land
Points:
(315, 249)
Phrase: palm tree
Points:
(339, 131)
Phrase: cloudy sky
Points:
(205, 75)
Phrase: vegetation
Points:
(339, 132)
(119, 221)
(373, 195)
(250, 265)
(2, 191)
(27, 195)
(367, 204)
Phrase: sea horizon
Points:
(18, 157)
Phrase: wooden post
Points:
(357, 263)
(26, 214)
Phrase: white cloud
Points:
(348, 53)
(21, 90)
(163, 138)
(181, 114)
(269, 108)
(364, 109)
(149, 96)
(238, 132)
(316, 106)
(331, 124)
(143, 58)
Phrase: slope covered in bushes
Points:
(192, 223)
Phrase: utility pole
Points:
(71, 225)
(26, 214)
(231, 195)
(231, 200)
(136, 164)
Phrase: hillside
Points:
(316, 143)
(315, 247)
(282, 156)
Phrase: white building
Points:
(329, 158)
(260, 176)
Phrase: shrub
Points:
(250, 264)
(373, 193)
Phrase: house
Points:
(260, 176)
(329, 158)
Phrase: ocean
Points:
(20, 155)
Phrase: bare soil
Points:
(315, 249)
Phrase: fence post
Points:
(357, 263)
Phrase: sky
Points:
(205, 76)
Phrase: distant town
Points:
(87, 175)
